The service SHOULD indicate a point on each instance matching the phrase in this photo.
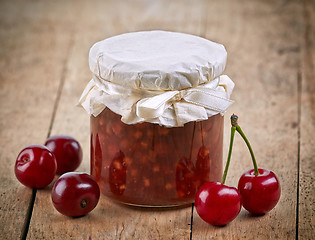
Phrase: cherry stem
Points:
(233, 128)
(239, 130)
(83, 203)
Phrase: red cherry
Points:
(35, 166)
(260, 193)
(67, 151)
(217, 204)
(75, 194)
(259, 188)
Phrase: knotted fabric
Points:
(170, 108)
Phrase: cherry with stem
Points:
(259, 188)
(217, 203)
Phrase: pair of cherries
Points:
(74, 193)
(258, 191)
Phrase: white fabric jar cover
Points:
(160, 77)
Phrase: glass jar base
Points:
(159, 206)
(147, 206)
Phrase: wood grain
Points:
(44, 69)
(306, 217)
(259, 36)
(110, 220)
(31, 61)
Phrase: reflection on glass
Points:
(185, 178)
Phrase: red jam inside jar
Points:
(150, 165)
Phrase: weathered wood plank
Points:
(307, 127)
(110, 220)
(45, 43)
(31, 59)
(263, 42)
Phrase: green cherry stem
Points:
(239, 130)
(233, 128)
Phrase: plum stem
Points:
(234, 123)
(233, 128)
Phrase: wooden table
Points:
(44, 68)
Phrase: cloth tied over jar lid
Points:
(160, 77)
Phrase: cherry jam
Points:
(150, 165)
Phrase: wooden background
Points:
(44, 68)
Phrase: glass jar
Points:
(150, 165)
(156, 101)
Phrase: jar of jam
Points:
(156, 102)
